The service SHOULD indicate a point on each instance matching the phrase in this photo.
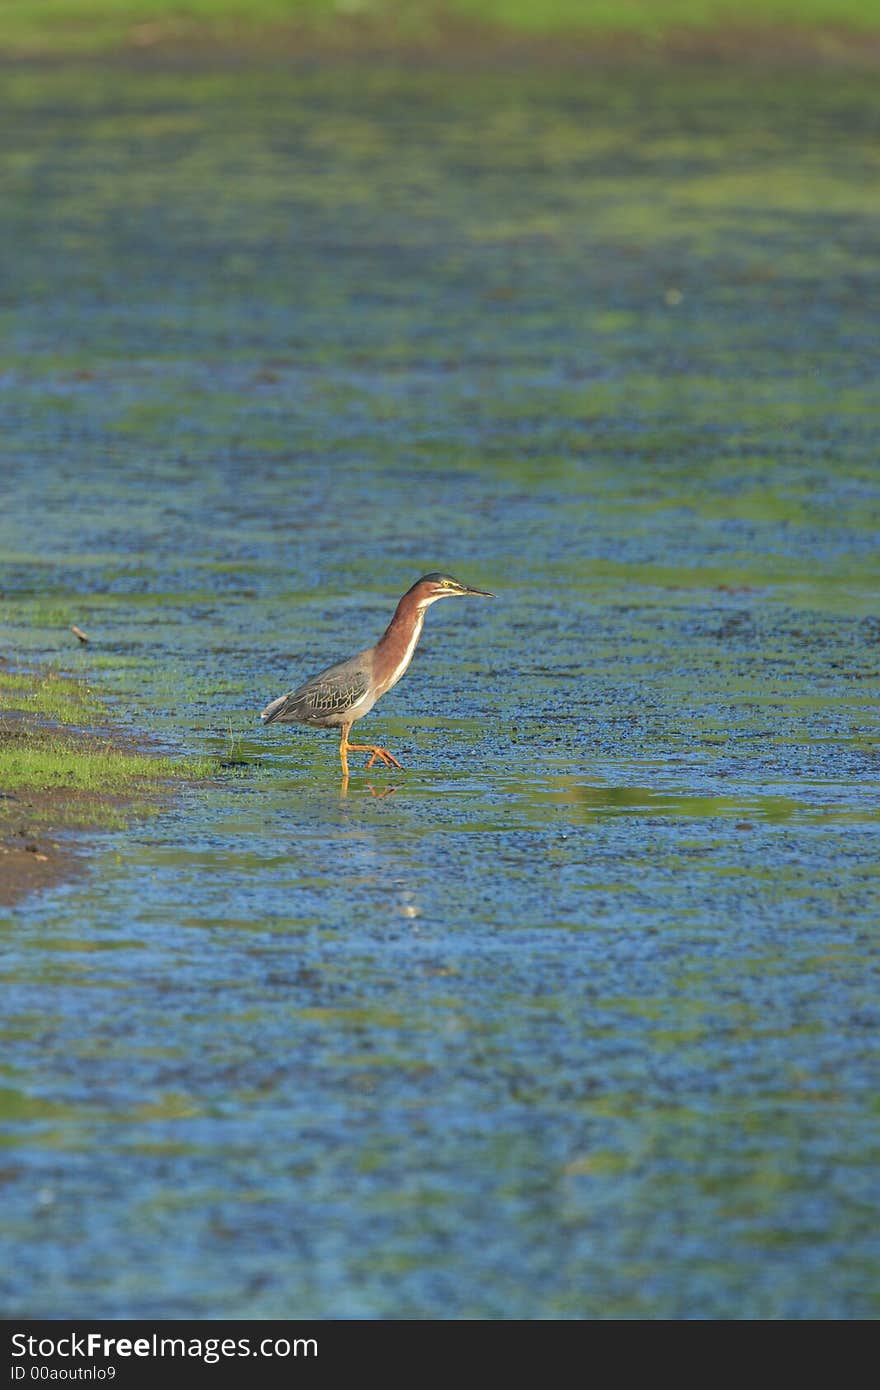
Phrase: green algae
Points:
(580, 1019)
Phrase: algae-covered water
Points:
(581, 1020)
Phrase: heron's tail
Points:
(272, 712)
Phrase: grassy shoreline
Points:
(827, 30)
(62, 769)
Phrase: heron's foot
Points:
(388, 759)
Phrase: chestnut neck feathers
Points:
(394, 650)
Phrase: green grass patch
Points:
(55, 771)
(47, 696)
(49, 761)
(83, 27)
(657, 18)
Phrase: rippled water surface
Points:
(581, 1020)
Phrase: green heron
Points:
(346, 692)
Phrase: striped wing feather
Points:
(320, 698)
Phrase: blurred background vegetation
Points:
(82, 27)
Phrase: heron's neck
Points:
(394, 650)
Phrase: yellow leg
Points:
(343, 751)
(345, 748)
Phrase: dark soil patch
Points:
(31, 857)
(42, 834)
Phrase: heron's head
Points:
(433, 586)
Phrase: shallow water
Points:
(579, 1021)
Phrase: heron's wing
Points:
(332, 692)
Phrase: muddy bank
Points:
(44, 829)
(58, 781)
(31, 855)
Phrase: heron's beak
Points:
(483, 593)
